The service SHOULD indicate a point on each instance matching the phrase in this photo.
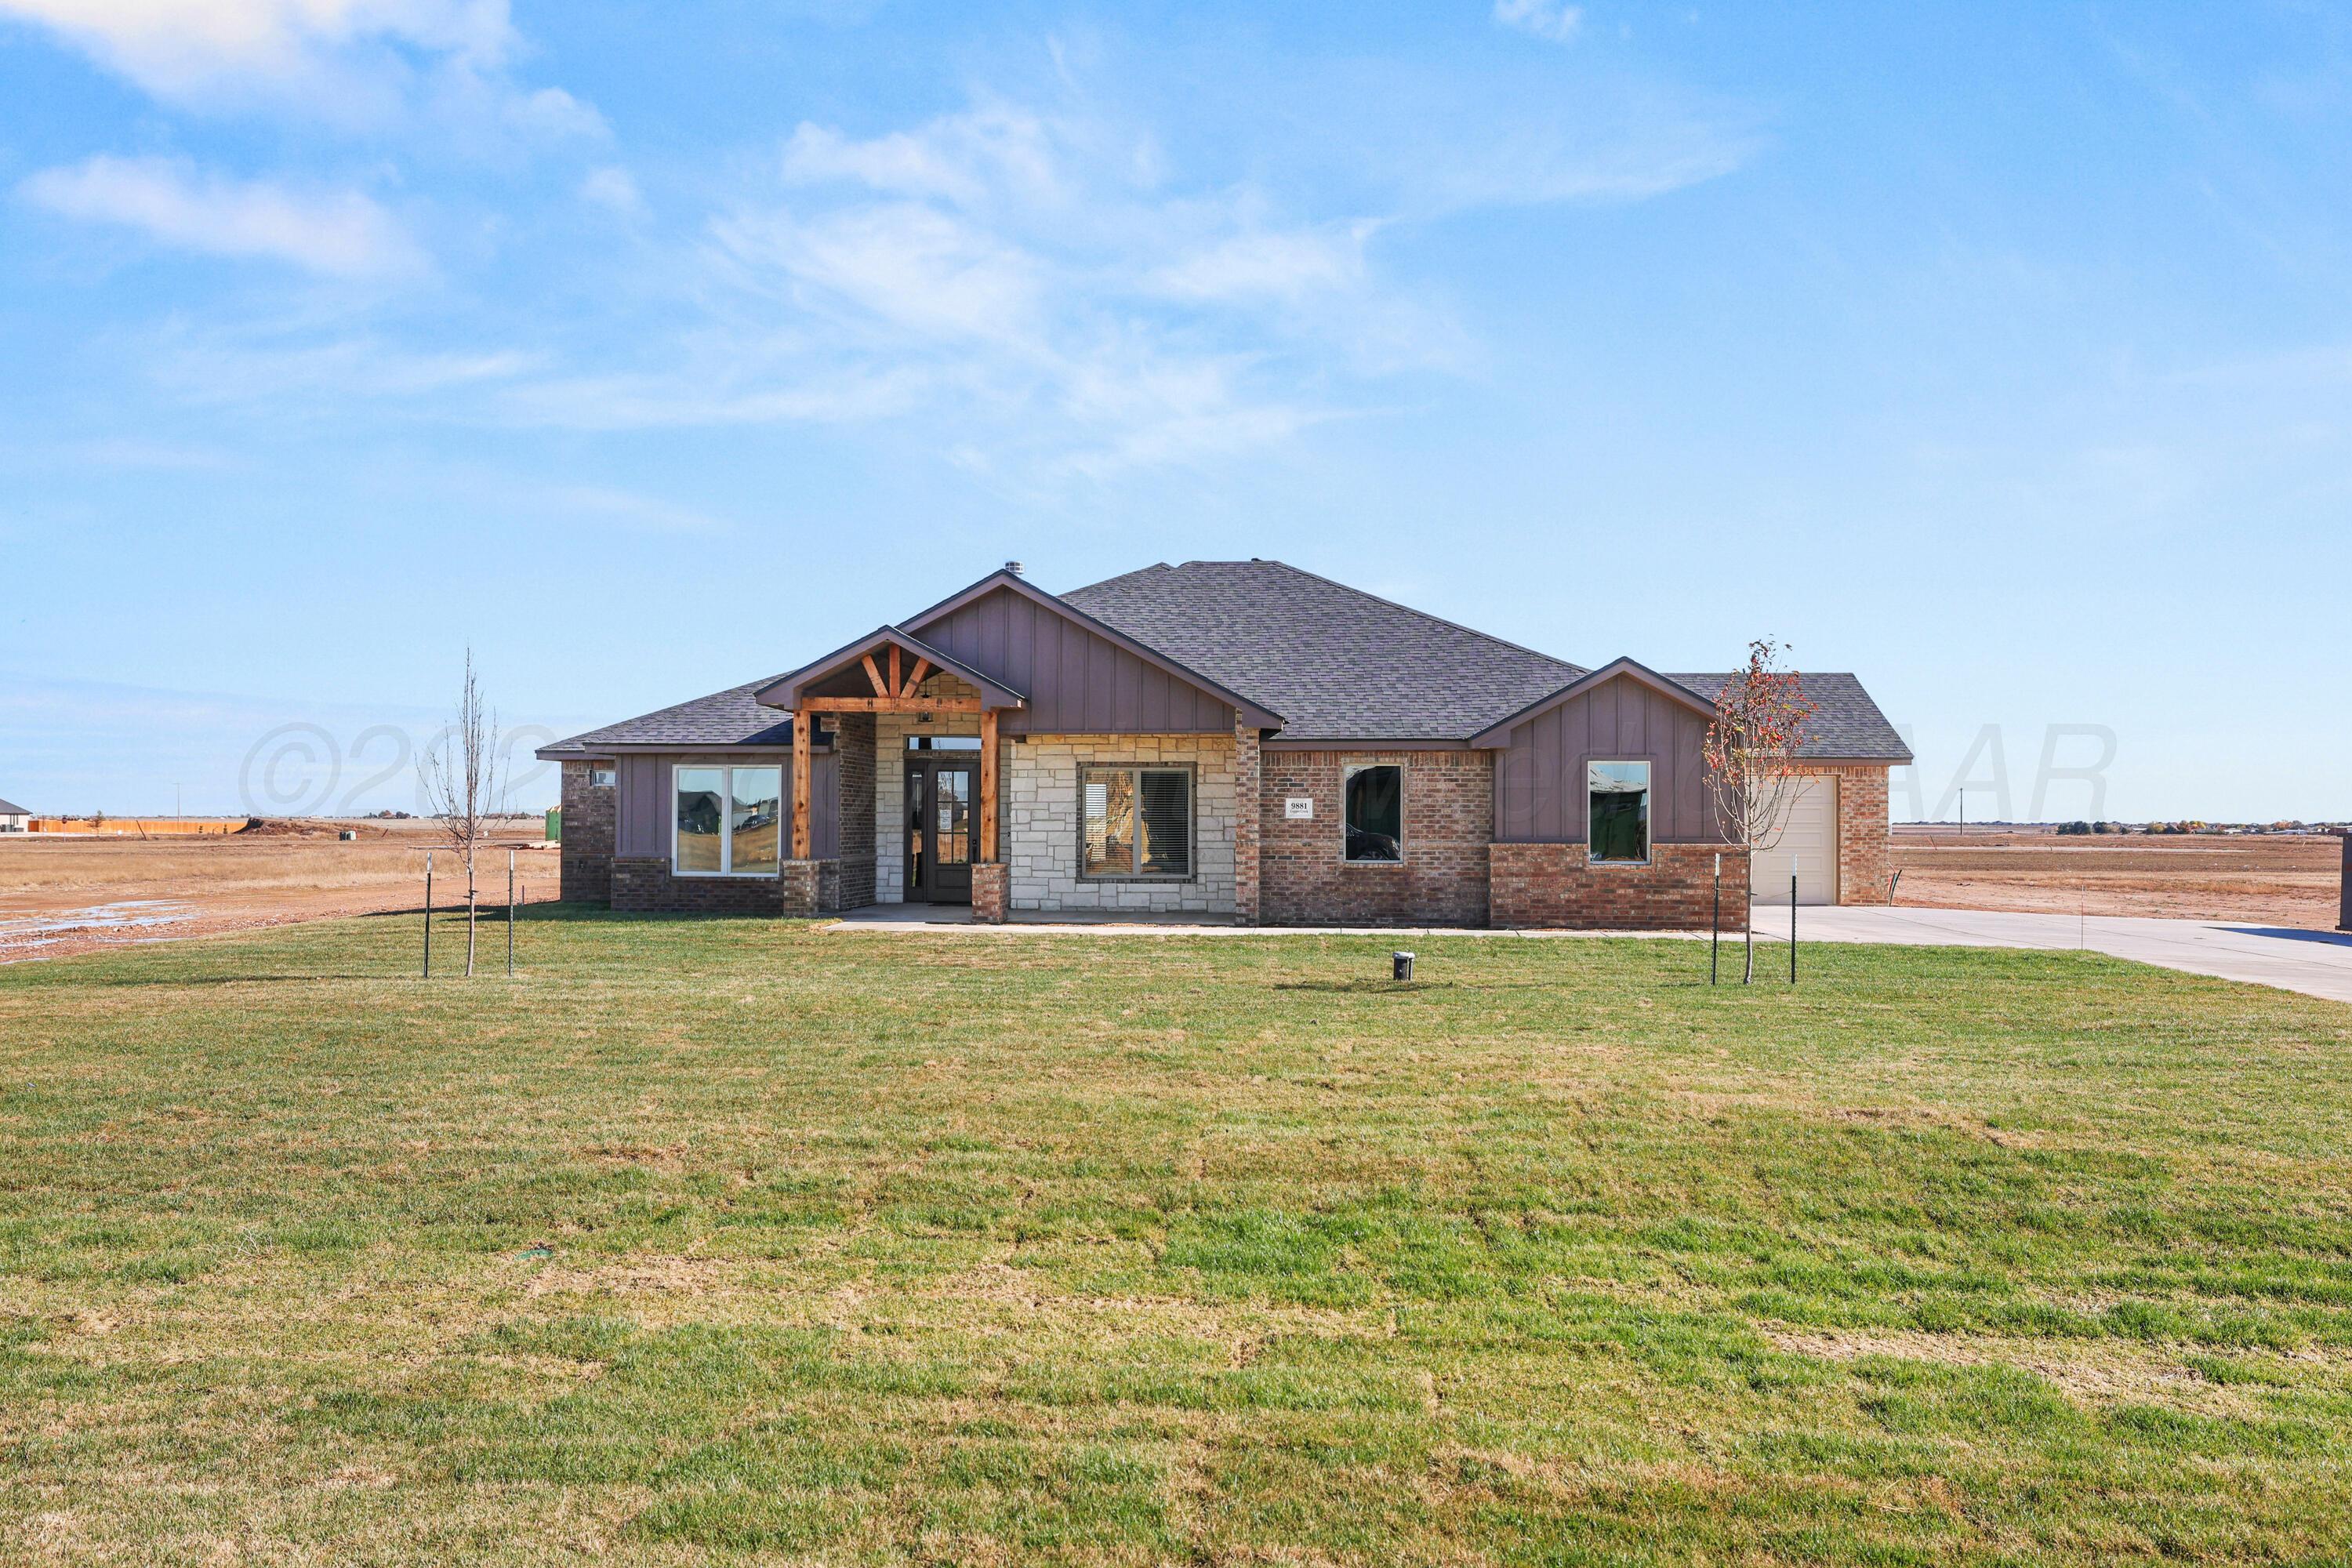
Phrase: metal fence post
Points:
(1792, 927)
(428, 914)
(1715, 935)
(510, 907)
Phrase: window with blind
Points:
(1134, 822)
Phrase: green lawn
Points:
(733, 1240)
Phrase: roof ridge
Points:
(1411, 610)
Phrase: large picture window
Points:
(1375, 812)
(1617, 812)
(729, 821)
(1134, 822)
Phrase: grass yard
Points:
(732, 1240)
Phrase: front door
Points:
(940, 796)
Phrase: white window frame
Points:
(602, 775)
(1649, 808)
(725, 771)
(1191, 821)
(1349, 771)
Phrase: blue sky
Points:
(2002, 354)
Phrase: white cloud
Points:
(1283, 266)
(177, 47)
(353, 63)
(340, 233)
(1545, 18)
(613, 187)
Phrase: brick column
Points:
(991, 883)
(1247, 775)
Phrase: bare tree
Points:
(464, 784)
(1751, 745)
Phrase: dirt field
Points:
(2277, 880)
(61, 895)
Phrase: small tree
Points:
(464, 784)
(1760, 715)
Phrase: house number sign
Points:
(1298, 807)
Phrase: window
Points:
(1134, 822)
(1375, 813)
(942, 742)
(1617, 812)
(729, 822)
(602, 778)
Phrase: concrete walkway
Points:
(2316, 963)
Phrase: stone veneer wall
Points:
(587, 847)
(1038, 823)
(1551, 886)
(1449, 826)
(1865, 856)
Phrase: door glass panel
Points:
(758, 806)
(951, 789)
(700, 826)
(917, 875)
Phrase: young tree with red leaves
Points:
(1751, 745)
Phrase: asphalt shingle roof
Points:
(9, 808)
(729, 718)
(1336, 662)
(1846, 724)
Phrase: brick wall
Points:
(1038, 782)
(857, 765)
(645, 885)
(1449, 824)
(587, 847)
(1865, 859)
(1550, 886)
(1249, 778)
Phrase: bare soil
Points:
(2276, 879)
(64, 895)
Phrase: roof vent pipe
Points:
(1013, 567)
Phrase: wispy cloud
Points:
(1545, 18)
(338, 233)
(351, 62)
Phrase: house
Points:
(14, 818)
(1223, 738)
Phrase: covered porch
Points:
(919, 756)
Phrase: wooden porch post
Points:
(803, 722)
(988, 786)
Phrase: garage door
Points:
(1808, 846)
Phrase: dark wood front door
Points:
(942, 815)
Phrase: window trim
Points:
(1349, 771)
(1192, 772)
(602, 776)
(727, 837)
(1649, 766)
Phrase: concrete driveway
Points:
(2316, 963)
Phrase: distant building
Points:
(14, 818)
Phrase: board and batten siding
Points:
(642, 811)
(1078, 681)
(1539, 776)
